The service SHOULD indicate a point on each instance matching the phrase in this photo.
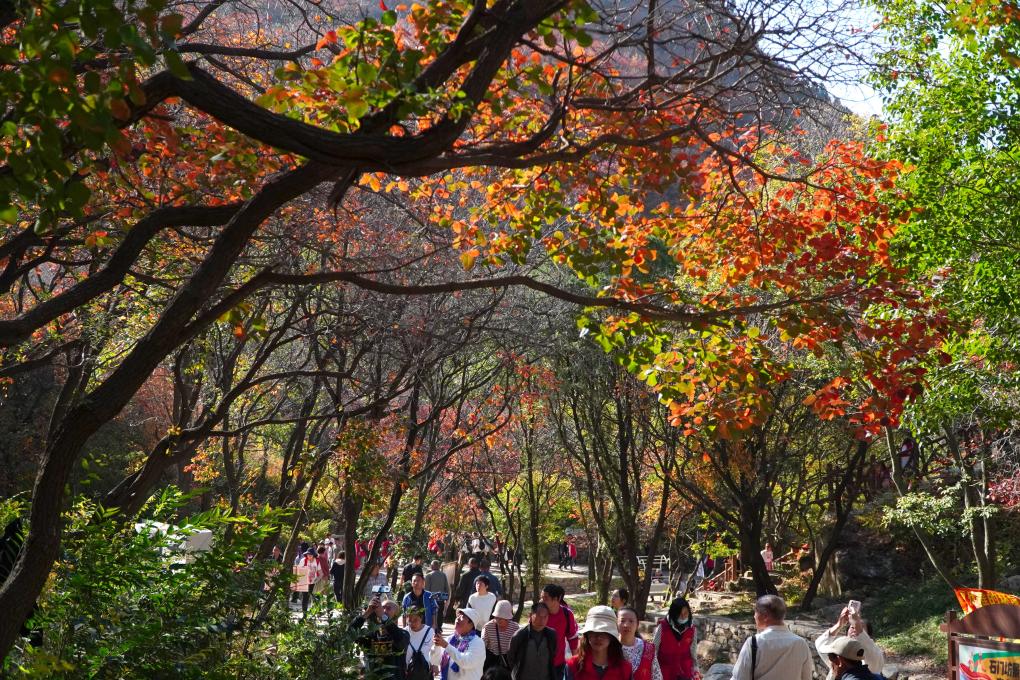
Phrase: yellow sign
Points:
(979, 663)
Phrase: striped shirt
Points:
(498, 641)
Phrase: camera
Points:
(380, 589)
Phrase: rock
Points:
(1012, 583)
(709, 652)
(719, 671)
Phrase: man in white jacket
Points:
(464, 654)
(856, 628)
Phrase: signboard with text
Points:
(978, 663)
(984, 644)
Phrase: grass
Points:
(580, 604)
(906, 618)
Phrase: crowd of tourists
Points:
(402, 635)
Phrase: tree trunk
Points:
(352, 512)
(750, 548)
(922, 537)
(823, 560)
(843, 497)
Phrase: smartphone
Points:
(855, 607)
(380, 589)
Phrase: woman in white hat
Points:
(497, 635)
(600, 656)
(464, 653)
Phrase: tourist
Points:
(322, 580)
(482, 601)
(337, 572)
(845, 658)
(310, 562)
(533, 647)
(299, 561)
(600, 656)
(420, 598)
(858, 629)
(420, 637)
(619, 599)
(411, 568)
(496, 673)
(571, 553)
(562, 554)
(360, 554)
(464, 654)
(676, 642)
(376, 582)
(639, 654)
(774, 653)
(497, 635)
(466, 585)
(561, 620)
(768, 556)
(383, 641)
(437, 584)
(477, 543)
(495, 587)
(277, 554)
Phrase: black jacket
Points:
(519, 647)
(860, 673)
(466, 586)
(384, 644)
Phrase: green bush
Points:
(125, 604)
(906, 618)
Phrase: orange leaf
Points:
(328, 39)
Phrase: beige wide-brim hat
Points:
(503, 610)
(601, 619)
(475, 616)
(846, 647)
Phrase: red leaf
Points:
(328, 39)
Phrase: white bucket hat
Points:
(503, 610)
(475, 616)
(601, 619)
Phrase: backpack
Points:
(419, 668)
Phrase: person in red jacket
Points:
(600, 656)
(639, 653)
(561, 620)
(676, 640)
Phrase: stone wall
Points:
(720, 640)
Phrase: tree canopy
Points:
(314, 254)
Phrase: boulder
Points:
(1012, 583)
(709, 652)
(719, 671)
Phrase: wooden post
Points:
(952, 662)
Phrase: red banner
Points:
(973, 598)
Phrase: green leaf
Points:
(176, 65)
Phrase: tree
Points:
(605, 420)
(149, 155)
(949, 79)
